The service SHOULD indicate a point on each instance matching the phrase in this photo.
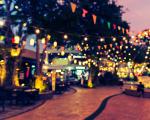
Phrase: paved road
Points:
(84, 102)
(70, 107)
(124, 107)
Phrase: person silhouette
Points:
(140, 89)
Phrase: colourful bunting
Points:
(73, 7)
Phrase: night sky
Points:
(137, 13)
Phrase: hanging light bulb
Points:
(37, 31)
(85, 38)
(102, 39)
(65, 36)
(114, 39)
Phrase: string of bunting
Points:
(94, 17)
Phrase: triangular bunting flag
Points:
(109, 25)
(111, 45)
(105, 46)
(94, 18)
(127, 31)
(73, 7)
(102, 21)
(122, 30)
(99, 47)
(84, 12)
(114, 26)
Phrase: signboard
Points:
(60, 61)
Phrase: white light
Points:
(85, 38)
(2, 23)
(114, 39)
(43, 41)
(124, 38)
(16, 7)
(37, 31)
(102, 39)
(65, 36)
(55, 44)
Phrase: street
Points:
(84, 102)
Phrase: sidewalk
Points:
(13, 110)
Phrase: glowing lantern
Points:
(55, 44)
(75, 61)
(2, 22)
(62, 53)
(43, 41)
(69, 57)
(16, 40)
(2, 37)
(15, 52)
(32, 42)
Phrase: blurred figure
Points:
(140, 89)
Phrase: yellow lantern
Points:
(43, 41)
(62, 53)
(32, 42)
(55, 44)
(17, 39)
(15, 52)
(48, 37)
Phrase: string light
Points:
(85, 38)
(37, 31)
(65, 36)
